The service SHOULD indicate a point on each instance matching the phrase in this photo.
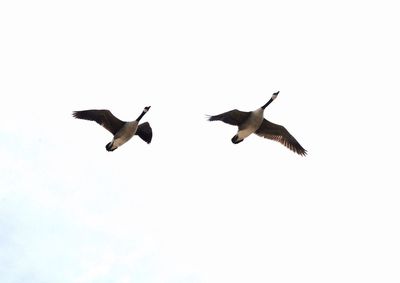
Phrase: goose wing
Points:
(234, 117)
(103, 117)
(144, 132)
(280, 134)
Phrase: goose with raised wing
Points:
(122, 131)
(254, 122)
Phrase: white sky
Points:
(193, 207)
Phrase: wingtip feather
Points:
(75, 114)
(208, 117)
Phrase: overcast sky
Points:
(193, 207)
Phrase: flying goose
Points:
(253, 122)
(122, 131)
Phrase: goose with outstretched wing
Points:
(122, 131)
(254, 122)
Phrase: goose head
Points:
(273, 97)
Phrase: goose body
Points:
(253, 122)
(249, 126)
(122, 131)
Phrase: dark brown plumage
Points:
(103, 117)
(122, 131)
(234, 117)
(280, 134)
(253, 122)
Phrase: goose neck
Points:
(268, 103)
(141, 116)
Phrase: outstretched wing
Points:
(233, 117)
(280, 134)
(144, 132)
(103, 117)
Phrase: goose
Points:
(254, 122)
(122, 131)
